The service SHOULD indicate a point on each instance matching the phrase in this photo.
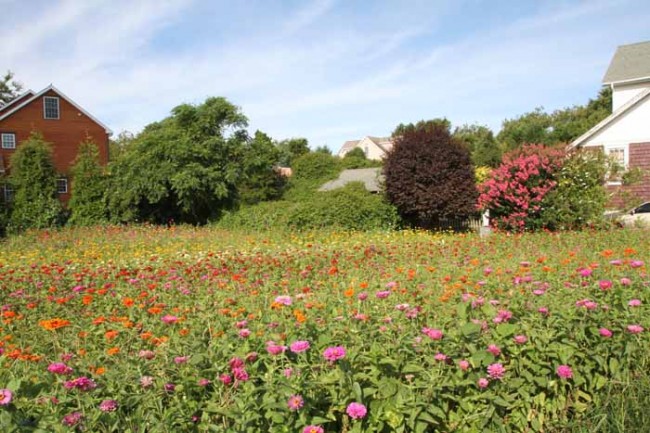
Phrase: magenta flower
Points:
(225, 379)
(334, 353)
(434, 334)
(494, 350)
(81, 383)
(274, 349)
(295, 402)
(169, 319)
(284, 300)
(362, 296)
(72, 419)
(313, 429)
(236, 363)
(463, 365)
(108, 406)
(59, 368)
(356, 410)
(382, 294)
(635, 329)
(203, 382)
(440, 357)
(5, 397)
(585, 272)
(181, 359)
(605, 332)
(634, 303)
(496, 371)
(240, 374)
(502, 316)
(299, 346)
(636, 263)
(605, 284)
(564, 371)
(520, 339)
(244, 333)
(482, 383)
(146, 381)
(169, 387)
(543, 311)
(626, 281)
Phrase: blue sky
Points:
(327, 70)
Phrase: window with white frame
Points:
(8, 140)
(62, 185)
(51, 107)
(618, 160)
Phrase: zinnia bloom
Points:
(169, 319)
(334, 353)
(605, 332)
(59, 368)
(520, 339)
(496, 371)
(356, 410)
(463, 365)
(634, 303)
(564, 371)
(483, 383)
(108, 406)
(635, 329)
(434, 334)
(494, 350)
(382, 294)
(313, 429)
(284, 300)
(295, 402)
(72, 419)
(146, 381)
(82, 383)
(299, 346)
(5, 397)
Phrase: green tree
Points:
(291, 149)
(356, 158)
(481, 143)
(529, 128)
(87, 204)
(323, 149)
(357, 152)
(184, 168)
(9, 88)
(429, 174)
(261, 180)
(119, 145)
(33, 177)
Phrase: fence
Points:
(457, 225)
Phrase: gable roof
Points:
(349, 145)
(629, 105)
(61, 94)
(371, 178)
(16, 99)
(384, 143)
(630, 63)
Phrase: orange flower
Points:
(349, 293)
(110, 335)
(128, 302)
(82, 334)
(300, 317)
(53, 324)
(184, 331)
(113, 351)
(154, 310)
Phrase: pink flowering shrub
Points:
(515, 192)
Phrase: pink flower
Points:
(463, 365)
(356, 410)
(605, 332)
(244, 333)
(241, 324)
(274, 349)
(146, 354)
(334, 353)
(225, 379)
(494, 350)
(181, 359)
(299, 346)
(496, 371)
(434, 334)
(236, 363)
(240, 374)
(586, 272)
(72, 419)
(634, 303)
(502, 316)
(82, 383)
(295, 402)
(543, 311)
(146, 381)
(382, 294)
(203, 382)
(605, 284)
(635, 329)
(362, 296)
(108, 406)
(313, 429)
(5, 397)
(59, 368)
(520, 339)
(626, 281)
(440, 357)
(636, 263)
(564, 371)
(482, 383)
(284, 300)
(288, 372)
(169, 319)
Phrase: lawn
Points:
(150, 329)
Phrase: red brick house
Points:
(625, 135)
(61, 121)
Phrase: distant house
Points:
(373, 147)
(372, 178)
(60, 120)
(625, 134)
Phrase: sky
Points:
(326, 70)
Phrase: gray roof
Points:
(348, 146)
(630, 62)
(384, 143)
(371, 178)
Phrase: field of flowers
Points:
(151, 329)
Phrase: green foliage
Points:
(310, 172)
(357, 152)
(184, 168)
(9, 88)
(323, 149)
(33, 177)
(261, 180)
(529, 128)
(117, 146)
(349, 208)
(87, 204)
(356, 158)
(429, 174)
(263, 216)
(291, 149)
(481, 143)
(578, 199)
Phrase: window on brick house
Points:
(8, 140)
(51, 107)
(618, 159)
(7, 193)
(62, 185)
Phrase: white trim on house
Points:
(62, 185)
(609, 119)
(62, 95)
(13, 101)
(628, 81)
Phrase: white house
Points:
(625, 134)
(373, 147)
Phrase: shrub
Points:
(261, 180)
(429, 174)
(33, 177)
(87, 204)
(270, 215)
(310, 172)
(350, 207)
